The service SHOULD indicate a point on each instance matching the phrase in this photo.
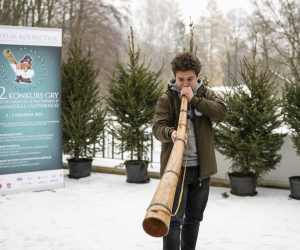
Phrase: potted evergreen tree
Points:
(247, 137)
(291, 114)
(133, 92)
(83, 120)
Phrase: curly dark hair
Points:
(186, 61)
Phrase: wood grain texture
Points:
(157, 220)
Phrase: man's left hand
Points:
(188, 92)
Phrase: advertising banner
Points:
(30, 109)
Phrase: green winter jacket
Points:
(166, 121)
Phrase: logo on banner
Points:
(8, 185)
(19, 179)
(0, 186)
(60, 175)
(23, 70)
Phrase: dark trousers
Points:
(190, 213)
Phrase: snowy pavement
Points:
(105, 212)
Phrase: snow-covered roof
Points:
(284, 128)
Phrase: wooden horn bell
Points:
(157, 220)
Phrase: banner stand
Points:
(30, 109)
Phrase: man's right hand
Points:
(174, 137)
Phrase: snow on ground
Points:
(105, 212)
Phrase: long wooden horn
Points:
(9, 55)
(157, 220)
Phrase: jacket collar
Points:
(177, 102)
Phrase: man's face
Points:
(25, 65)
(186, 79)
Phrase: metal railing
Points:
(110, 146)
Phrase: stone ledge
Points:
(154, 175)
(119, 171)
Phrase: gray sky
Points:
(194, 8)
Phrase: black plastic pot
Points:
(134, 173)
(79, 169)
(295, 187)
(241, 185)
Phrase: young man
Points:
(201, 161)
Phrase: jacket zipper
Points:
(193, 110)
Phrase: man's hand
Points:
(18, 66)
(188, 92)
(174, 137)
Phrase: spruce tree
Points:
(83, 120)
(246, 136)
(291, 108)
(133, 94)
